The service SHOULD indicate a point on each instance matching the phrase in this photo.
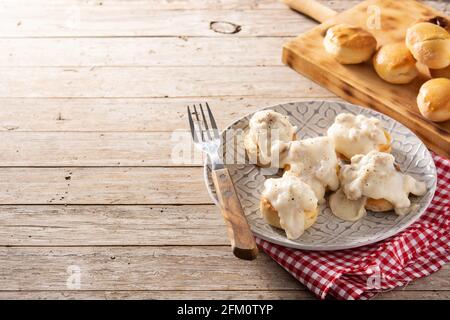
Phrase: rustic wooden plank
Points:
(139, 268)
(439, 280)
(119, 52)
(59, 225)
(123, 19)
(158, 4)
(140, 18)
(414, 295)
(169, 295)
(155, 82)
(54, 149)
(102, 186)
(110, 267)
(187, 4)
(142, 115)
(337, 5)
(142, 268)
(207, 295)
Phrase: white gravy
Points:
(291, 197)
(356, 134)
(349, 210)
(374, 176)
(313, 160)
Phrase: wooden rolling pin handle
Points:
(241, 237)
(312, 9)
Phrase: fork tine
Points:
(206, 122)
(213, 121)
(199, 123)
(191, 124)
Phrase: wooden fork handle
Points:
(241, 237)
(312, 9)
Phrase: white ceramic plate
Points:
(329, 232)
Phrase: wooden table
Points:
(91, 92)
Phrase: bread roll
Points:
(394, 63)
(271, 215)
(434, 99)
(429, 44)
(265, 129)
(440, 73)
(378, 205)
(349, 44)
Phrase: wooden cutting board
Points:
(360, 84)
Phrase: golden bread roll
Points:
(271, 215)
(441, 73)
(434, 99)
(376, 182)
(378, 205)
(429, 44)
(349, 44)
(394, 63)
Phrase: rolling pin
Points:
(312, 9)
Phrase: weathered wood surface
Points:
(87, 111)
(106, 185)
(122, 114)
(206, 294)
(97, 149)
(181, 267)
(111, 225)
(139, 52)
(161, 82)
(143, 21)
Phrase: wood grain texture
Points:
(111, 225)
(92, 82)
(142, 268)
(158, 5)
(141, 20)
(206, 295)
(120, 52)
(242, 240)
(75, 149)
(175, 295)
(123, 115)
(102, 186)
(100, 91)
(359, 83)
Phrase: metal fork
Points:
(207, 138)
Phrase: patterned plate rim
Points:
(330, 247)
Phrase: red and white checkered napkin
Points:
(360, 273)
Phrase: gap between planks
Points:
(122, 114)
(111, 268)
(141, 52)
(45, 18)
(156, 82)
(113, 185)
(98, 21)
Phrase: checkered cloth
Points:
(361, 273)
